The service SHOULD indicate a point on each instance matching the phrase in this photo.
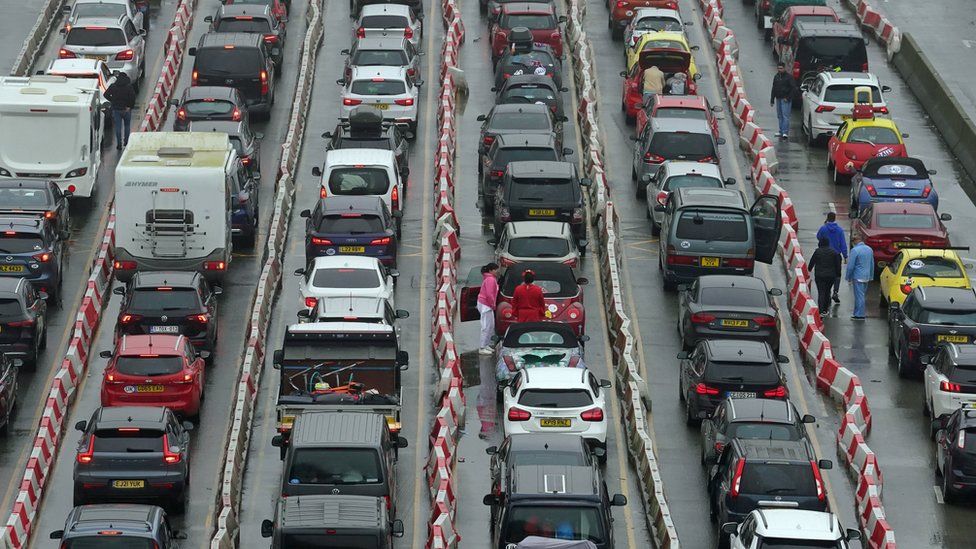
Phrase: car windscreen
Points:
(99, 10)
(334, 466)
(108, 542)
(834, 49)
(504, 156)
(242, 24)
(10, 308)
(555, 283)
(555, 398)
(346, 277)
(95, 37)
(378, 86)
(385, 58)
(149, 365)
(531, 21)
(353, 181)
(873, 135)
(351, 224)
(711, 225)
(384, 22)
(844, 93)
(537, 338)
(682, 145)
(538, 246)
(562, 522)
(658, 23)
(208, 107)
(527, 94)
(905, 221)
(741, 372)
(732, 298)
(19, 243)
(543, 190)
(324, 539)
(685, 181)
(937, 267)
(681, 112)
(153, 300)
(763, 431)
(519, 121)
(777, 543)
(128, 440)
(782, 479)
(947, 317)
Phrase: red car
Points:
(678, 106)
(670, 61)
(783, 25)
(887, 227)
(562, 290)
(860, 139)
(154, 370)
(539, 18)
(278, 8)
(621, 11)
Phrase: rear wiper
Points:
(780, 490)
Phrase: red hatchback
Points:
(154, 370)
(887, 227)
(692, 107)
(540, 19)
(784, 25)
(621, 12)
(670, 61)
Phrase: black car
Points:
(170, 302)
(752, 472)
(251, 18)
(352, 225)
(238, 60)
(23, 320)
(528, 58)
(208, 103)
(366, 129)
(930, 316)
(718, 369)
(117, 526)
(36, 197)
(518, 119)
(513, 147)
(539, 449)
(730, 307)
(955, 453)
(133, 454)
(8, 390)
(531, 88)
(542, 191)
(750, 418)
(32, 248)
(247, 143)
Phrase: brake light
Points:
(703, 389)
(593, 414)
(129, 318)
(573, 362)
(198, 318)
(310, 302)
(168, 456)
(323, 193)
(125, 265)
(507, 311)
(906, 288)
(765, 321)
(622, 4)
(408, 102)
(719, 446)
(125, 55)
(181, 114)
(914, 337)
(662, 197)
(66, 54)
(554, 35)
(518, 414)
(88, 454)
(817, 478)
(395, 198)
(796, 70)
(270, 38)
(825, 108)
(381, 241)
(864, 67)
(246, 160)
(50, 214)
(214, 266)
(408, 33)
(20, 323)
(675, 259)
(926, 192)
(488, 140)
(194, 76)
(264, 82)
(411, 72)
(702, 318)
(43, 258)
(570, 262)
(778, 392)
(652, 158)
(739, 263)
(236, 115)
(361, 32)
(882, 110)
(707, 159)
(737, 478)
(509, 363)
(496, 173)
(950, 387)
(871, 190)
(349, 102)
(321, 241)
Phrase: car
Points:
(155, 370)
(512, 147)
(648, 20)
(531, 88)
(930, 317)
(517, 119)
(772, 527)
(915, 267)
(728, 307)
(366, 129)
(537, 241)
(252, 19)
(279, 8)
(321, 520)
(389, 89)
(679, 174)
(82, 9)
(813, 47)
(538, 17)
(860, 139)
(887, 227)
(247, 143)
(343, 275)
(493, 8)
(245, 201)
(33, 248)
(120, 525)
(671, 139)
(170, 302)
(538, 344)
(390, 20)
(23, 321)
(750, 418)
(527, 57)
(827, 100)
(8, 390)
(239, 60)
(542, 191)
(625, 11)
(717, 369)
(668, 51)
(200, 103)
(36, 197)
(692, 107)
(93, 69)
(950, 373)
(387, 51)
(561, 288)
(132, 454)
(783, 25)
(955, 453)
(115, 40)
(355, 6)
(888, 179)
(538, 449)
(372, 310)
(363, 172)
(351, 225)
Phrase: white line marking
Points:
(938, 495)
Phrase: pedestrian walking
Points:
(122, 96)
(838, 241)
(528, 300)
(652, 82)
(781, 95)
(487, 299)
(825, 265)
(860, 271)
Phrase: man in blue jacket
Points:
(860, 271)
(834, 234)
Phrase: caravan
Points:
(51, 128)
(173, 194)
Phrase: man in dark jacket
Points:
(782, 96)
(835, 234)
(122, 96)
(825, 266)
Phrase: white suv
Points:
(789, 528)
(385, 20)
(363, 172)
(557, 400)
(389, 89)
(829, 96)
(116, 41)
(345, 276)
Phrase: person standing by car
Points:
(122, 96)
(781, 95)
(838, 241)
(860, 271)
(487, 299)
(652, 82)
(528, 301)
(825, 265)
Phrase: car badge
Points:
(164, 318)
(228, 82)
(10, 258)
(778, 498)
(129, 389)
(894, 169)
(330, 251)
(335, 491)
(899, 184)
(149, 381)
(953, 332)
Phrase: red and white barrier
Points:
(883, 29)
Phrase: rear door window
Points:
(351, 224)
(95, 37)
(709, 225)
(335, 466)
(741, 372)
(531, 21)
(243, 24)
(358, 181)
(778, 479)
(229, 61)
(153, 300)
(128, 440)
(208, 107)
(834, 48)
(345, 278)
(548, 398)
(378, 86)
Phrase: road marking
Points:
(967, 43)
(938, 495)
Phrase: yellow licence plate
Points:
(149, 388)
(949, 338)
(710, 262)
(541, 212)
(352, 249)
(735, 323)
(381, 106)
(128, 484)
(11, 268)
(555, 422)
(905, 244)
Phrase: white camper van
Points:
(51, 128)
(173, 203)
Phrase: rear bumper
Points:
(187, 404)
(166, 264)
(99, 488)
(22, 348)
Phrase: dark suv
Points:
(518, 119)
(32, 248)
(238, 60)
(513, 147)
(814, 47)
(930, 316)
(251, 18)
(366, 129)
(117, 526)
(351, 225)
(955, 453)
(751, 418)
(23, 320)
(542, 191)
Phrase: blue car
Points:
(886, 179)
(32, 248)
(351, 225)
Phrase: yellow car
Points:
(921, 267)
(661, 43)
(858, 140)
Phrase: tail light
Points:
(66, 54)
(719, 447)
(125, 265)
(506, 262)
(961, 443)
(825, 108)
(702, 318)
(504, 214)
(246, 160)
(194, 76)
(881, 110)
(271, 38)
(662, 197)
(555, 36)
(408, 33)
(181, 114)
(50, 214)
(737, 478)
(914, 337)
(236, 115)
(311, 302)
(573, 362)
(739, 263)
(168, 456)
(125, 55)
(186, 379)
(506, 76)
(488, 140)
(214, 266)
(819, 480)
(577, 215)
(323, 193)
(593, 414)
(20, 323)
(361, 32)
(926, 192)
(506, 311)
(671, 5)
(509, 363)
(381, 241)
(411, 72)
(88, 454)
(622, 4)
(395, 198)
(408, 102)
(496, 173)
(949, 387)
(674, 259)
(321, 241)
(389, 504)
(201, 319)
(43, 258)
(264, 82)
(518, 414)
(906, 289)
(796, 70)
(575, 311)
(871, 190)
(703, 389)
(129, 319)
(349, 102)
(778, 392)
(765, 321)
(652, 158)
(864, 67)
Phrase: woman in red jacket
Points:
(528, 301)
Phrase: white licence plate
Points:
(164, 329)
(740, 394)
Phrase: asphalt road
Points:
(19, 17)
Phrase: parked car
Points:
(535, 345)
(386, 20)
(247, 143)
(366, 129)
(538, 17)
(126, 524)
(672, 139)
(889, 227)
(36, 197)
(648, 20)
(345, 275)
(238, 60)
(679, 174)
(32, 248)
(537, 241)
(789, 527)
(892, 179)
(930, 317)
(955, 454)
(750, 418)
(728, 307)
(252, 19)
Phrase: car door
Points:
(767, 223)
(8, 387)
(934, 372)
(811, 97)
(468, 309)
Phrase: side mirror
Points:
(401, 442)
(187, 425)
(716, 108)
(945, 217)
(598, 451)
(904, 136)
(65, 10)
(618, 500)
(401, 313)
(730, 528)
(143, 32)
(105, 354)
(782, 359)
(317, 171)
(853, 534)
(683, 355)
(562, 19)
(491, 450)
(490, 499)
(326, 135)
(584, 338)
(494, 89)
(397, 214)
(564, 89)
(341, 81)
(344, 52)
(305, 213)
(775, 292)
(398, 528)
(174, 102)
(277, 358)
(697, 76)
(605, 384)
(204, 354)
(729, 181)
(646, 178)
(807, 418)
(267, 528)
(582, 281)
(623, 74)
(277, 441)
(481, 118)
(119, 290)
(503, 382)
(586, 182)
(885, 89)
(403, 358)
(208, 19)
(720, 140)
(299, 272)
(191, 52)
(567, 151)
(825, 464)
(683, 287)
(217, 290)
(695, 48)
(179, 534)
(304, 314)
(932, 172)
(418, 83)
(583, 243)
(81, 426)
(394, 273)
(58, 534)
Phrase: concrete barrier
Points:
(37, 37)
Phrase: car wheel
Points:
(681, 390)
(633, 174)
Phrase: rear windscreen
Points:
(351, 224)
(528, 94)
(234, 61)
(682, 145)
(95, 37)
(938, 267)
(335, 466)
(318, 541)
(129, 440)
(519, 121)
(211, 107)
(963, 374)
(558, 521)
(152, 300)
(384, 22)
(776, 543)
(242, 24)
(844, 93)
(680, 112)
(775, 479)
(658, 24)
(906, 221)
(149, 366)
(10, 308)
(504, 156)
(386, 58)
(358, 181)
(20, 244)
(540, 189)
(537, 246)
(873, 135)
(378, 87)
(742, 372)
(548, 398)
(715, 226)
(108, 542)
(347, 278)
(763, 431)
(683, 181)
(835, 49)
(739, 297)
(380, 143)
(527, 20)
(538, 338)
(948, 318)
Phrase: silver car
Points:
(677, 174)
(536, 241)
(389, 20)
(383, 52)
(538, 344)
(117, 41)
(103, 9)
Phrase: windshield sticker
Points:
(916, 264)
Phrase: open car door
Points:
(469, 296)
(767, 222)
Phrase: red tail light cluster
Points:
(214, 266)
(395, 198)
(737, 478)
(518, 414)
(125, 265)
(703, 389)
(66, 54)
(311, 302)
(765, 321)
(321, 241)
(871, 190)
(702, 318)
(408, 102)
(821, 493)
(778, 392)
(825, 108)
(271, 38)
(926, 192)
(264, 83)
(408, 33)
(593, 414)
(381, 241)
(350, 102)
(488, 140)
(914, 337)
(509, 363)
(796, 70)
(950, 387)
(194, 76)
(496, 173)
(168, 456)
(87, 455)
(129, 319)
(43, 258)
(181, 114)
(361, 32)
(652, 158)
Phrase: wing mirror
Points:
(825, 464)
(618, 500)
(491, 450)
(697, 76)
(397, 528)
(208, 19)
(317, 171)
(81, 426)
(403, 359)
(567, 151)
(775, 292)
(598, 452)
(267, 528)
(401, 442)
(582, 281)
(853, 534)
(299, 272)
(326, 135)
(277, 358)
(904, 136)
(481, 118)
(491, 499)
(304, 314)
(341, 81)
(945, 217)
(885, 89)
(623, 74)
(807, 418)
(401, 313)
(605, 384)
(646, 178)
(204, 355)
(105, 354)
(305, 213)
(191, 52)
(58, 534)
(729, 181)
(730, 528)
(344, 52)
(782, 359)
(586, 182)
(720, 140)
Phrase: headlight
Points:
(77, 173)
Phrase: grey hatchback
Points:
(117, 526)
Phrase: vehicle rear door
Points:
(469, 296)
(767, 223)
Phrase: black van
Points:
(237, 60)
(332, 521)
(813, 47)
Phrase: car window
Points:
(710, 225)
(356, 181)
(504, 156)
(682, 145)
(556, 283)
(386, 58)
(740, 297)
(938, 267)
(844, 93)
(763, 431)
(531, 21)
(108, 542)
(95, 37)
(658, 23)
(208, 107)
(128, 440)
(911, 307)
(686, 181)
(963, 373)
(548, 457)
(563, 522)
(154, 300)
(538, 247)
(149, 365)
(345, 278)
(519, 121)
(555, 398)
(948, 317)
(527, 94)
(873, 135)
(20, 243)
(378, 86)
(229, 61)
(785, 543)
(335, 466)
(384, 22)
(542, 189)
(242, 24)
(100, 10)
(777, 478)
(681, 112)
(741, 372)
(906, 221)
(130, 29)
(351, 224)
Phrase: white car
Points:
(647, 20)
(676, 174)
(363, 172)
(390, 89)
(537, 241)
(93, 69)
(829, 97)
(383, 20)
(950, 379)
(116, 41)
(557, 400)
(789, 528)
(345, 276)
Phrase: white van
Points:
(173, 203)
(363, 172)
(51, 128)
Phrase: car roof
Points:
(554, 480)
(333, 428)
(907, 208)
(526, 140)
(379, 9)
(252, 10)
(352, 157)
(850, 77)
(523, 229)
(541, 168)
(135, 518)
(798, 524)
(356, 204)
(380, 42)
(112, 417)
(732, 281)
(912, 253)
(208, 92)
(773, 450)
(378, 71)
(108, 22)
(739, 350)
(229, 127)
(687, 125)
(553, 377)
(519, 108)
(685, 101)
(832, 28)
(76, 65)
(688, 167)
(345, 261)
(937, 297)
(146, 279)
(528, 7)
(704, 196)
(545, 442)
(760, 409)
(241, 39)
(338, 511)
(157, 344)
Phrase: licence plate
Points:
(149, 388)
(735, 323)
(97, 57)
(12, 268)
(555, 422)
(905, 244)
(710, 262)
(740, 394)
(381, 106)
(128, 484)
(352, 249)
(949, 338)
(164, 329)
(535, 212)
